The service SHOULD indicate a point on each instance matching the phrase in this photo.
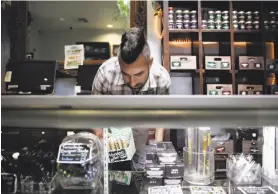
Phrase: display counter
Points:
(256, 116)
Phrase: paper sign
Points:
(74, 56)
(8, 183)
(8, 76)
(74, 153)
(255, 190)
(206, 190)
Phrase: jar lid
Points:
(211, 12)
(256, 12)
(256, 22)
(272, 22)
(266, 22)
(179, 21)
(235, 22)
(234, 12)
(225, 12)
(241, 22)
(186, 11)
(186, 21)
(204, 21)
(225, 22)
(218, 21)
(211, 21)
(241, 12)
(248, 12)
(171, 21)
(193, 12)
(248, 22)
(193, 21)
(271, 12)
(179, 11)
(218, 12)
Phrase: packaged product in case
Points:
(219, 89)
(162, 146)
(218, 62)
(174, 170)
(155, 170)
(251, 62)
(272, 64)
(121, 144)
(183, 62)
(250, 89)
(172, 181)
(150, 182)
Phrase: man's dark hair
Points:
(132, 45)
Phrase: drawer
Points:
(219, 89)
(252, 146)
(218, 62)
(251, 62)
(250, 89)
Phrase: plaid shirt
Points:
(109, 80)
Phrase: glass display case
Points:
(102, 144)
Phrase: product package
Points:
(219, 89)
(121, 144)
(218, 62)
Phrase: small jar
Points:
(178, 12)
(211, 14)
(248, 15)
(234, 15)
(171, 24)
(179, 24)
(179, 17)
(266, 25)
(241, 25)
(186, 24)
(171, 16)
(186, 15)
(171, 10)
(235, 24)
(193, 14)
(225, 25)
(193, 24)
(272, 15)
(218, 24)
(256, 25)
(273, 24)
(204, 24)
(218, 15)
(256, 15)
(249, 25)
(225, 15)
(241, 15)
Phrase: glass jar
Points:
(171, 24)
(266, 25)
(204, 24)
(241, 15)
(171, 16)
(193, 24)
(218, 24)
(241, 25)
(186, 24)
(248, 25)
(225, 25)
(273, 25)
(235, 24)
(193, 14)
(179, 16)
(234, 15)
(218, 15)
(211, 24)
(256, 15)
(256, 25)
(211, 14)
(225, 15)
(179, 24)
(198, 166)
(272, 15)
(248, 15)
(171, 10)
(186, 15)
(178, 12)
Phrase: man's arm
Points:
(100, 84)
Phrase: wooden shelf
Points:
(183, 30)
(85, 62)
(215, 30)
(247, 31)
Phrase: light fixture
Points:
(109, 26)
(62, 19)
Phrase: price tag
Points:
(206, 190)
(8, 183)
(255, 190)
(74, 153)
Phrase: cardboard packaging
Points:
(251, 63)
(219, 89)
(250, 89)
(218, 62)
(121, 145)
(183, 62)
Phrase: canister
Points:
(241, 25)
(193, 14)
(218, 15)
(179, 17)
(204, 24)
(186, 15)
(179, 24)
(272, 15)
(171, 10)
(211, 24)
(193, 24)
(171, 24)
(256, 15)
(248, 25)
(186, 24)
(178, 12)
(256, 25)
(266, 25)
(235, 24)
(273, 24)
(248, 15)
(218, 24)
(171, 16)
(225, 25)
(234, 15)
(211, 14)
(241, 15)
(225, 15)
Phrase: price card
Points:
(8, 183)
(74, 153)
(206, 190)
(257, 190)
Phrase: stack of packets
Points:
(121, 144)
(163, 166)
(170, 189)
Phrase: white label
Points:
(12, 86)
(77, 89)
(43, 87)
(8, 76)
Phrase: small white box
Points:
(244, 89)
(183, 62)
(218, 62)
(121, 144)
(219, 89)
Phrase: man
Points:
(133, 73)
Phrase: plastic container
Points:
(272, 15)
(273, 25)
(241, 15)
(198, 166)
(249, 15)
(186, 14)
(249, 25)
(193, 14)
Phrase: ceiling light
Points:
(62, 19)
(109, 26)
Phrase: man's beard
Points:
(138, 88)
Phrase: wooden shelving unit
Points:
(253, 41)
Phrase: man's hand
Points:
(98, 132)
(159, 134)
